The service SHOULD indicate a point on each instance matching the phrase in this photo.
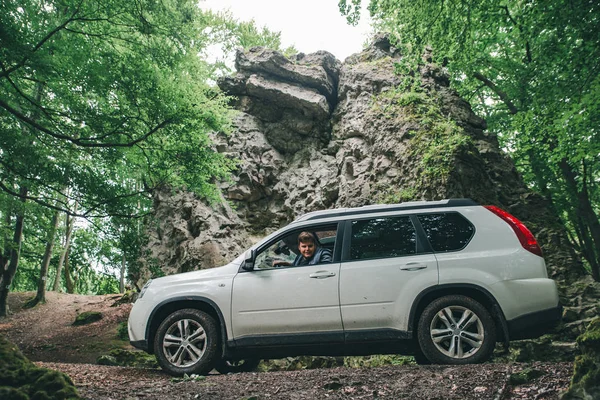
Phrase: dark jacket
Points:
(322, 255)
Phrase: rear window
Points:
(447, 231)
(382, 238)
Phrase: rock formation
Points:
(313, 133)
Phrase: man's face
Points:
(307, 249)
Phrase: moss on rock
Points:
(525, 376)
(22, 379)
(122, 332)
(87, 318)
(585, 383)
(544, 348)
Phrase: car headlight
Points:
(144, 289)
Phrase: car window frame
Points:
(337, 248)
(422, 245)
(446, 212)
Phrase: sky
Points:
(309, 25)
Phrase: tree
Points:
(12, 254)
(69, 225)
(40, 296)
(96, 95)
(531, 68)
(101, 102)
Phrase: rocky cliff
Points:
(314, 133)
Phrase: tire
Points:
(232, 367)
(187, 342)
(456, 330)
(419, 357)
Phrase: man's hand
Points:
(281, 263)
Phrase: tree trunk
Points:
(9, 272)
(68, 280)
(122, 280)
(69, 223)
(588, 219)
(40, 297)
(5, 254)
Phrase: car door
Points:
(385, 266)
(289, 304)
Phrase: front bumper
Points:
(535, 324)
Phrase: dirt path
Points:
(45, 334)
(489, 381)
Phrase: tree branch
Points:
(520, 28)
(499, 92)
(82, 142)
(48, 36)
(85, 215)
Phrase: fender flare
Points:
(197, 299)
(451, 288)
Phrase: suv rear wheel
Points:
(186, 343)
(456, 330)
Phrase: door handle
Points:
(321, 275)
(413, 267)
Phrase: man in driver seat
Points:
(310, 252)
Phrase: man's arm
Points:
(326, 256)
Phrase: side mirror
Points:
(248, 264)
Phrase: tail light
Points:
(525, 236)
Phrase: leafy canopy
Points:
(101, 102)
(100, 96)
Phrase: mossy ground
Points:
(127, 358)
(586, 376)
(21, 379)
(525, 376)
(87, 318)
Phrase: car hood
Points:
(227, 270)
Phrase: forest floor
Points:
(45, 335)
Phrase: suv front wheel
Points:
(456, 330)
(187, 342)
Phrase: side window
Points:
(447, 231)
(285, 251)
(382, 237)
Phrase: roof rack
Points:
(410, 205)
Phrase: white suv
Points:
(441, 280)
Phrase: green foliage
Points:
(390, 195)
(228, 34)
(122, 332)
(531, 68)
(107, 94)
(101, 103)
(377, 361)
(586, 375)
(438, 147)
(232, 33)
(438, 139)
(590, 340)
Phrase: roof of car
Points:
(411, 205)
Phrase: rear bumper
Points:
(535, 324)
